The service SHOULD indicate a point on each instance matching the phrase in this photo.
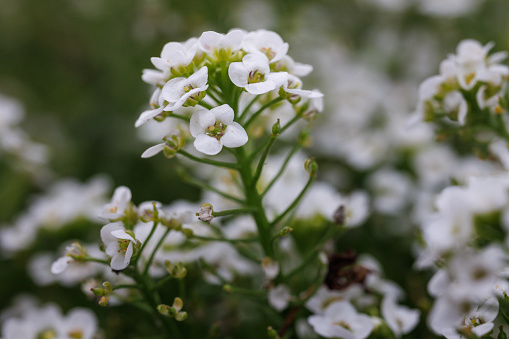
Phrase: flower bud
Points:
(187, 232)
(311, 166)
(285, 231)
(178, 304)
(104, 301)
(272, 333)
(276, 129)
(163, 309)
(206, 213)
(177, 271)
(181, 316)
(227, 288)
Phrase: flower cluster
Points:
(215, 73)
(470, 90)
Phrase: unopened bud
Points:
(285, 231)
(107, 287)
(104, 300)
(181, 316)
(163, 309)
(272, 333)
(177, 271)
(98, 292)
(206, 213)
(311, 166)
(178, 304)
(227, 288)
(276, 129)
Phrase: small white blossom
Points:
(400, 319)
(221, 46)
(119, 204)
(279, 297)
(215, 128)
(182, 91)
(268, 43)
(118, 245)
(341, 320)
(175, 54)
(253, 74)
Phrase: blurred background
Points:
(73, 68)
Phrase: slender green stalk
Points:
(239, 290)
(159, 243)
(207, 187)
(282, 169)
(233, 212)
(254, 200)
(248, 107)
(261, 162)
(145, 243)
(179, 116)
(207, 106)
(264, 107)
(290, 123)
(295, 202)
(209, 161)
(117, 287)
(101, 261)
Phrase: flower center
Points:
(76, 334)
(268, 52)
(344, 325)
(255, 77)
(217, 130)
(47, 334)
(123, 243)
(188, 88)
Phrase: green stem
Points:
(254, 201)
(125, 286)
(282, 169)
(145, 243)
(207, 106)
(264, 107)
(209, 161)
(233, 212)
(261, 162)
(246, 110)
(295, 202)
(179, 116)
(290, 123)
(245, 291)
(149, 262)
(101, 261)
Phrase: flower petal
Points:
(150, 152)
(223, 113)
(261, 87)
(118, 262)
(147, 115)
(238, 74)
(200, 121)
(207, 144)
(234, 136)
(60, 265)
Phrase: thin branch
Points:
(209, 161)
(257, 113)
(282, 169)
(295, 202)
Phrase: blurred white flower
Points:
(118, 245)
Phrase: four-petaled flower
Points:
(118, 245)
(253, 74)
(181, 91)
(215, 128)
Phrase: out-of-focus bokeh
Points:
(71, 73)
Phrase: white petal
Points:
(209, 41)
(118, 262)
(482, 329)
(150, 152)
(173, 89)
(200, 121)
(261, 87)
(121, 234)
(256, 62)
(207, 144)
(199, 79)
(224, 114)
(279, 78)
(238, 74)
(147, 115)
(60, 265)
(128, 254)
(234, 136)
(106, 230)
(232, 40)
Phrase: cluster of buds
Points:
(103, 293)
(174, 310)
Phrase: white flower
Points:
(118, 244)
(156, 104)
(455, 103)
(220, 46)
(400, 319)
(341, 320)
(286, 64)
(293, 86)
(324, 297)
(118, 205)
(185, 91)
(215, 128)
(279, 297)
(176, 54)
(253, 74)
(267, 43)
(270, 268)
(71, 251)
